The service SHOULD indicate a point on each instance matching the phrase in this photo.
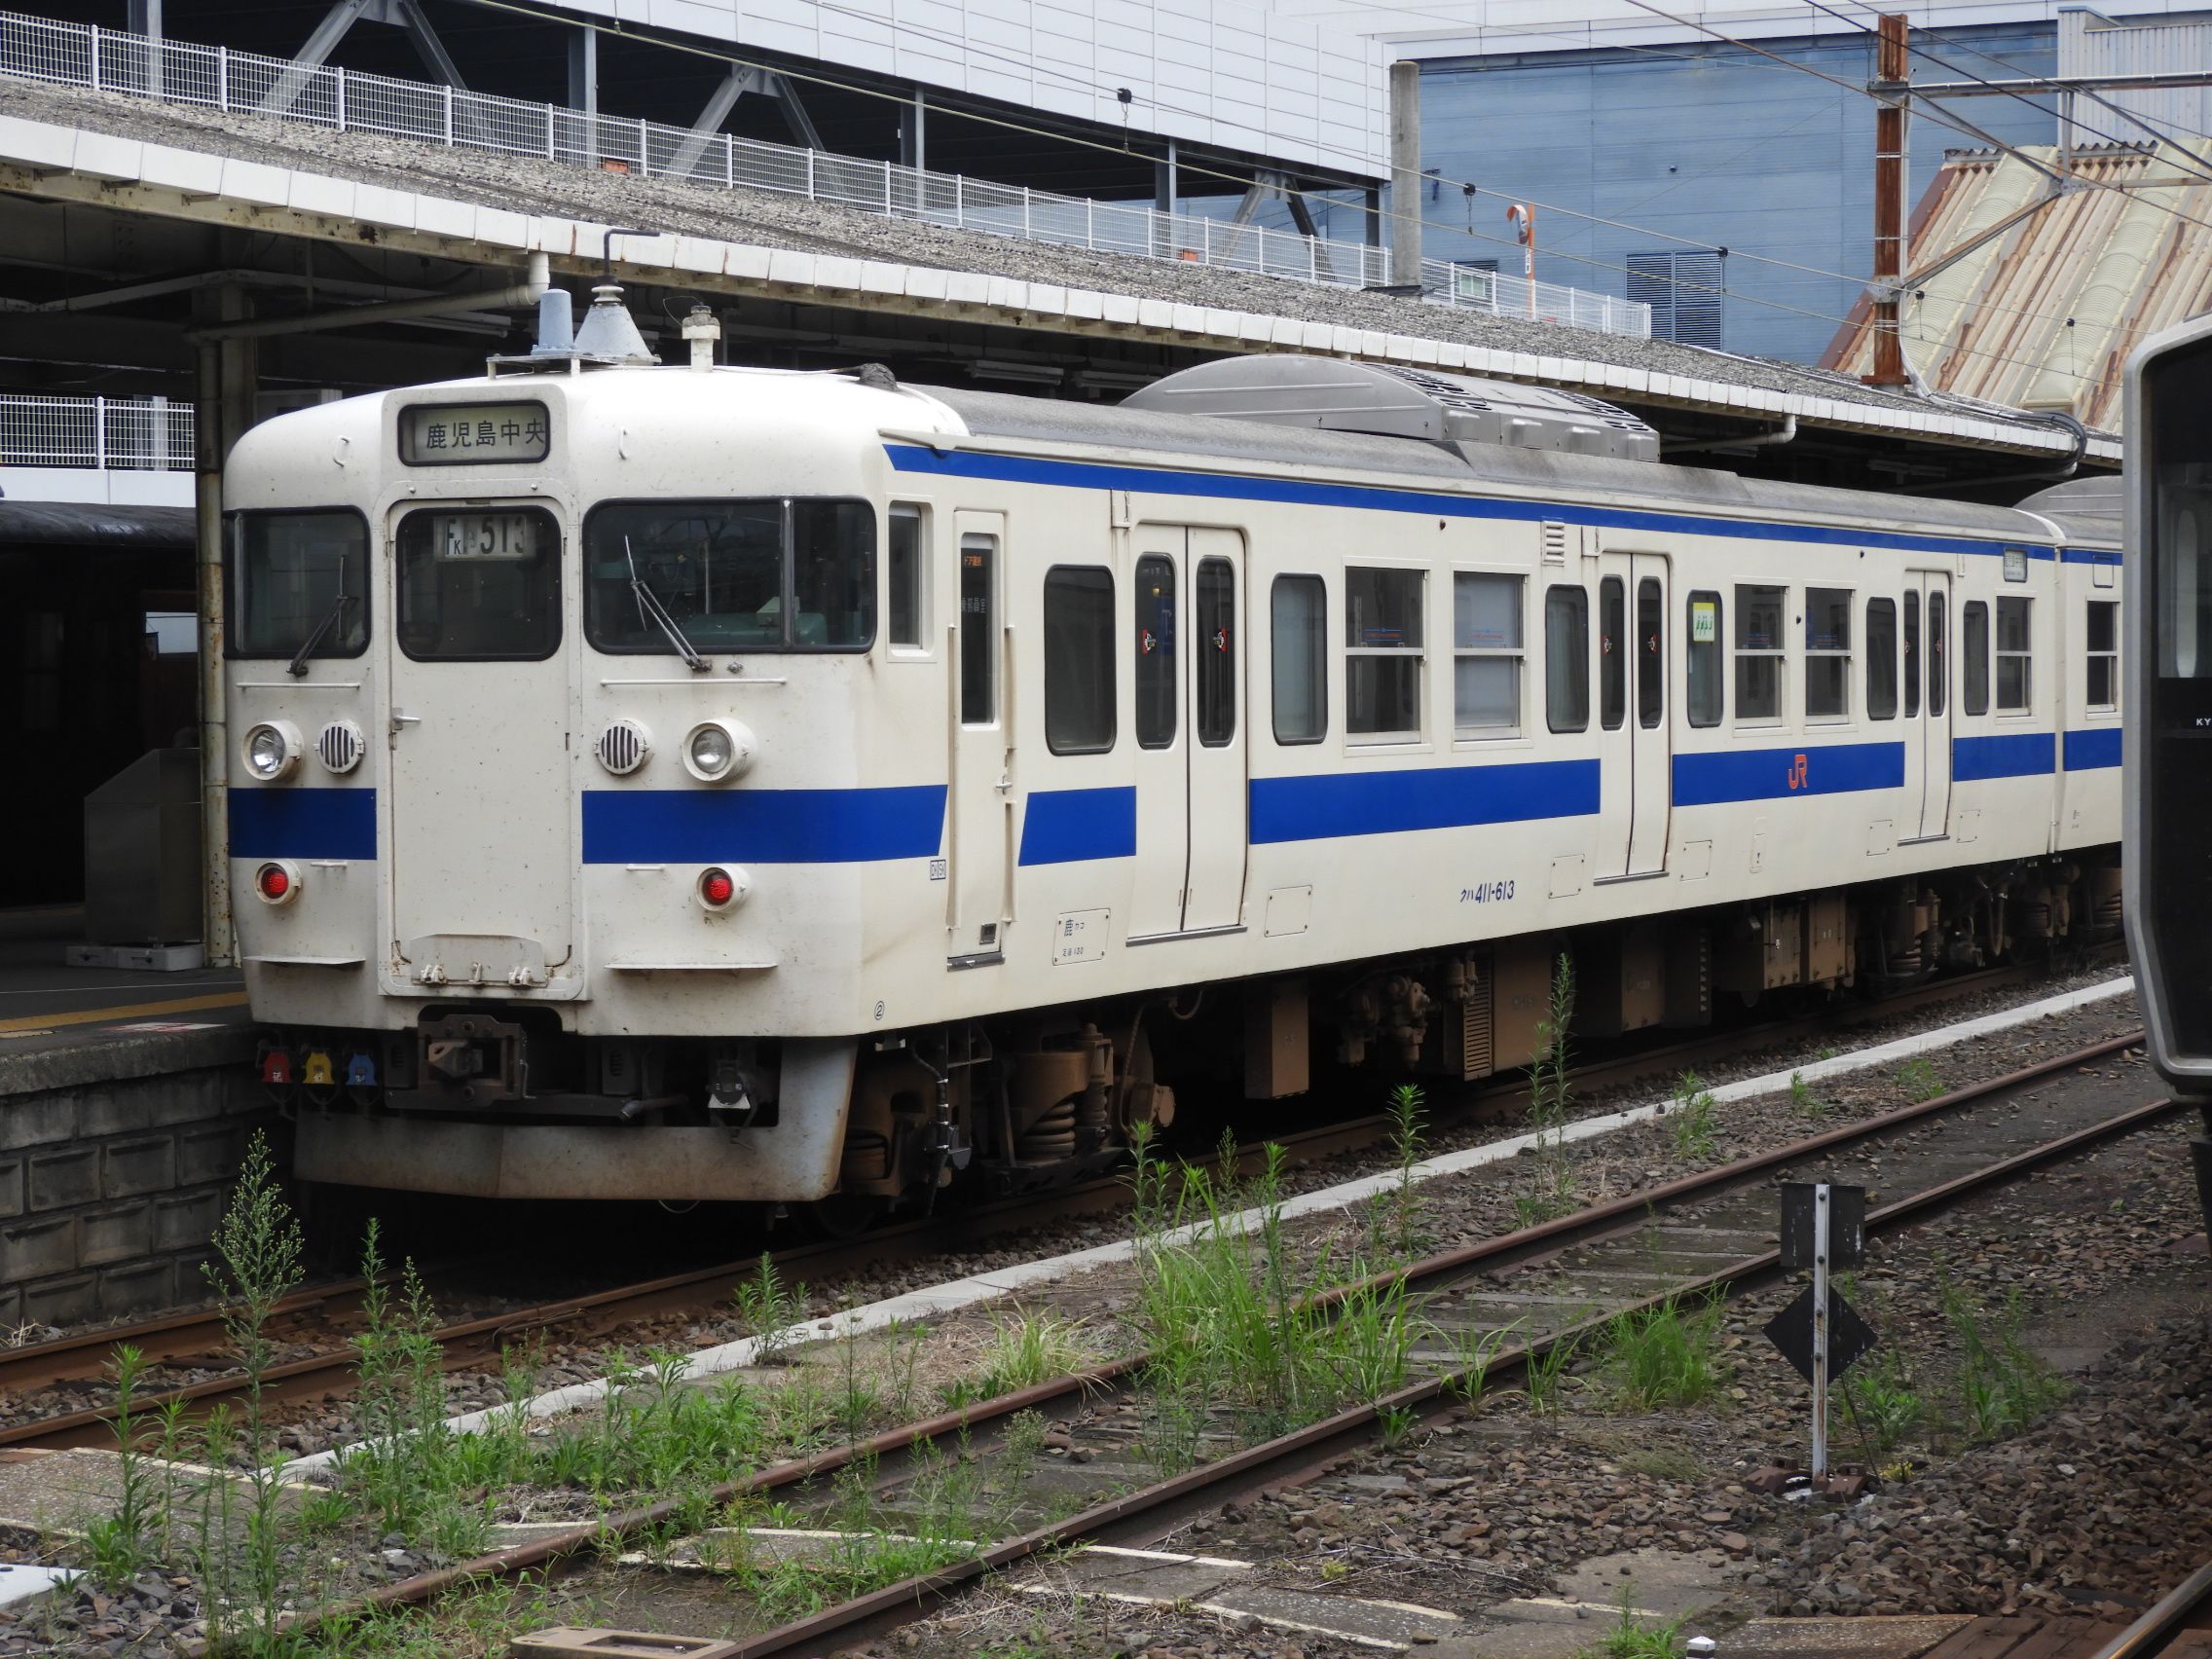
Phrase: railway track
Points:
(2178, 1627)
(320, 1317)
(1710, 1231)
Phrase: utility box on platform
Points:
(142, 862)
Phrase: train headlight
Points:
(718, 749)
(271, 749)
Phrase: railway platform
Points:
(125, 1099)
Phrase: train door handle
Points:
(398, 720)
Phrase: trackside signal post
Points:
(1823, 1227)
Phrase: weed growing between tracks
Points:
(1550, 1192)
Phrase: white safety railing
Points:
(126, 434)
(82, 55)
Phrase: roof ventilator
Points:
(1456, 412)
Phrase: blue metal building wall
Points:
(1706, 141)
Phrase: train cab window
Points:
(1383, 654)
(2102, 687)
(2016, 677)
(1911, 656)
(1486, 655)
(766, 574)
(1759, 649)
(1155, 638)
(1298, 647)
(1567, 660)
(1213, 672)
(1700, 651)
(906, 581)
(1650, 653)
(479, 585)
(294, 572)
(978, 637)
(1881, 659)
(1612, 647)
(1827, 653)
(1974, 684)
(1079, 659)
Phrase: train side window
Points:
(1155, 638)
(1567, 660)
(1612, 671)
(1650, 657)
(1827, 653)
(1485, 647)
(905, 567)
(1938, 655)
(2103, 638)
(1383, 654)
(2016, 677)
(978, 630)
(1079, 659)
(1911, 655)
(1213, 668)
(1974, 691)
(1881, 659)
(1298, 647)
(1759, 648)
(1702, 654)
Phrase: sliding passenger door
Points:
(1636, 735)
(1187, 653)
(1928, 625)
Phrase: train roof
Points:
(2088, 509)
(1218, 437)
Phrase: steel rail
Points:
(2180, 1609)
(1156, 1508)
(467, 1343)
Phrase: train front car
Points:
(2168, 757)
(559, 841)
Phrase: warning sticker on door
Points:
(1704, 622)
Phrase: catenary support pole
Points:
(217, 939)
(1405, 172)
(1893, 66)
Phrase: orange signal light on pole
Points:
(1524, 217)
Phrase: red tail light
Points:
(273, 881)
(716, 888)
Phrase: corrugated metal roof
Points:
(2044, 314)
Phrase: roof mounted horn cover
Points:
(1332, 394)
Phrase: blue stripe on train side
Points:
(1300, 492)
(280, 823)
(1786, 774)
(2090, 748)
(2012, 755)
(1065, 826)
(652, 826)
(1429, 797)
(2089, 555)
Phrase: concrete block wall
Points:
(116, 1160)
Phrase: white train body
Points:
(1051, 711)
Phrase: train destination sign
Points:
(465, 434)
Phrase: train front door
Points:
(978, 814)
(483, 865)
(1926, 707)
(1187, 655)
(1636, 746)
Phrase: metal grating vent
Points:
(623, 747)
(1554, 543)
(339, 745)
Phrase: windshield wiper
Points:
(298, 663)
(649, 603)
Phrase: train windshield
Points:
(301, 578)
(768, 575)
(2185, 570)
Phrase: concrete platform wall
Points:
(116, 1159)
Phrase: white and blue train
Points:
(728, 783)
